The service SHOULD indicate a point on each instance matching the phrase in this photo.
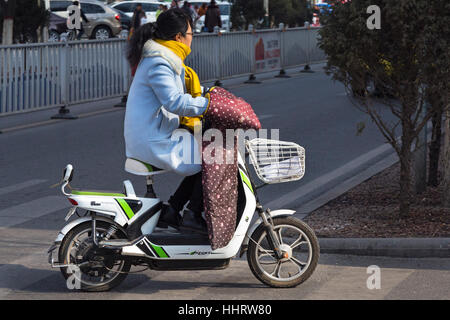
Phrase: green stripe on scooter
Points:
(160, 251)
(95, 193)
(246, 180)
(126, 208)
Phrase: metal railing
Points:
(38, 76)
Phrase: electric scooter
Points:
(118, 230)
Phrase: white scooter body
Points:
(119, 230)
(109, 206)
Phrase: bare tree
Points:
(8, 8)
(397, 61)
(446, 157)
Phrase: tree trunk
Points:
(446, 178)
(405, 176)
(435, 146)
(8, 21)
(420, 156)
(7, 36)
(406, 157)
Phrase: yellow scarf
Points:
(191, 79)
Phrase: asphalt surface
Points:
(309, 109)
(339, 277)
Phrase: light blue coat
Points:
(155, 101)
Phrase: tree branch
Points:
(388, 133)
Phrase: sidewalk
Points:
(388, 247)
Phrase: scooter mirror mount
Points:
(68, 173)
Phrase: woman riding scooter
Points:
(158, 104)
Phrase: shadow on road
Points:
(51, 285)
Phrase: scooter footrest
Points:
(116, 243)
(180, 239)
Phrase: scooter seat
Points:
(141, 168)
(97, 193)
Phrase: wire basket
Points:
(276, 161)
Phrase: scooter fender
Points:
(76, 222)
(273, 214)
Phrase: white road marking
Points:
(317, 183)
(346, 185)
(31, 210)
(19, 186)
(327, 178)
(353, 282)
(23, 272)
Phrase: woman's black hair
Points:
(167, 26)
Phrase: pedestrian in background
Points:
(202, 10)
(174, 4)
(82, 17)
(160, 9)
(187, 8)
(137, 19)
(196, 17)
(212, 17)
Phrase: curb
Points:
(389, 247)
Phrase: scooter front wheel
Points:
(300, 249)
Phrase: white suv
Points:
(103, 22)
(225, 12)
(149, 7)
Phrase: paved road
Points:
(336, 277)
(308, 109)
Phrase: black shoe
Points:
(169, 217)
(193, 222)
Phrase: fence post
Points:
(252, 78)
(63, 72)
(218, 83)
(125, 68)
(282, 73)
(307, 68)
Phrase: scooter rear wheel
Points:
(93, 269)
(300, 249)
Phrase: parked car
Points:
(324, 7)
(56, 26)
(149, 7)
(103, 23)
(125, 20)
(225, 12)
